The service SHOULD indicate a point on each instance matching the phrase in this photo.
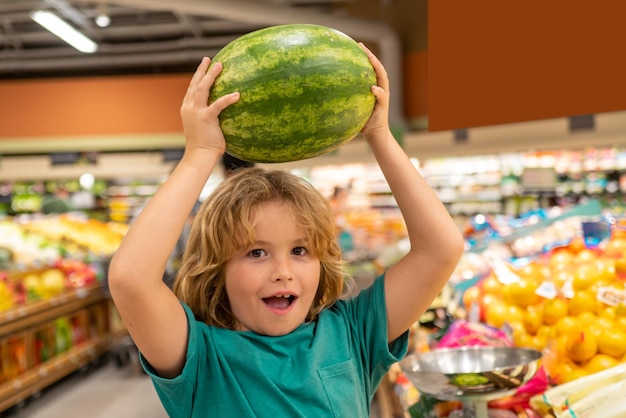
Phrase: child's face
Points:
(277, 265)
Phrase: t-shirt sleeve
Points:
(177, 394)
(368, 313)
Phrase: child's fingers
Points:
(200, 71)
(382, 78)
(224, 101)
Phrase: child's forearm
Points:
(144, 251)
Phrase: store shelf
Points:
(43, 375)
(35, 313)
(44, 341)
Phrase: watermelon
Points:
(305, 91)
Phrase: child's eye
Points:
(299, 251)
(256, 253)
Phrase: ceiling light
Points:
(63, 30)
(103, 20)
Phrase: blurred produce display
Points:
(553, 281)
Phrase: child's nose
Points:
(282, 269)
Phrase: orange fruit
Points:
(620, 323)
(513, 315)
(582, 301)
(491, 285)
(534, 271)
(585, 276)
(470, 296)
(606, 269)
(561, 260)
(585, 256)
(601, 325)
(560, 277)
(566, 326)
(521, 293)
(605, 311)
(553, 310)
(615, 247)
(620, 264)
(539, 342)
(612, 342)
(581, 346)
(570, 373)
(533, 319)
(587, 320)
(517, 327)
(496, 314)
(600, 362)
(546, 331)
(524, 340)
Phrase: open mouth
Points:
(280, 302)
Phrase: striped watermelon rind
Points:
(305, 91)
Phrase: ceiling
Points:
(144, 36)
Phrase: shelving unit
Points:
(28, 331)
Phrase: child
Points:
(255, 325)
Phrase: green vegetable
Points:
(469, 379)
(305, 91)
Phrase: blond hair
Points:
(224, 226)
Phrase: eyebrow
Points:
(299, 241)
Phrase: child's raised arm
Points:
(436, 243)
(152, 314)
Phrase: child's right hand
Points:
(200, 120)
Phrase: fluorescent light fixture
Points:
(63, 30)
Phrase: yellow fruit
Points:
(582, 301)
(559, 278)
(561, 260)
(612, 342)
(534, 272)
(585, 276)
(587, 319)
(600, 362)
(606, 269)
(585, 256)
(496, 314)
(491, 285)
(52, 283)
(539, 342)
(605, 311)
(615, 247)
(553, 310)
(568, 371)
(566, 326)
(533, 319)
(620, 323)
(581, 346)
(517, 327)
(524, 340)
(521, 293)
(546, 331)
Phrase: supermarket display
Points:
(55, 314)
(473, 375)
(549, 277)
(552, 283)
(306, 90)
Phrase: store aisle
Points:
(104, 391)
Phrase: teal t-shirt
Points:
(327, 368)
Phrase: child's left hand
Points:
(378, 124)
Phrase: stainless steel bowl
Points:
(471, 373)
